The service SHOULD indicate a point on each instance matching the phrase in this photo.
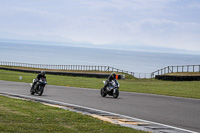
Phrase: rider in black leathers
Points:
(110, 78)
(40, 75)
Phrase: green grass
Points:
(184, 74)
(76, 71)
(32, 117)
(189, 89)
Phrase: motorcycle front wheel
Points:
(40, 90)
(116, 94)
(32, 92)
(103, 93)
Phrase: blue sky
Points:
(168, 23)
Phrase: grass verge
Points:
(189, 89)
(26, 116)
(184, 74)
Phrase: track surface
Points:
(179, 112)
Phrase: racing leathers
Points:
(109, 79)
(40, 75)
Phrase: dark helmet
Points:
(113, 75)
(42, 72)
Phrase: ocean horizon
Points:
(133, 61)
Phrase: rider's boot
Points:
(104, 88)
(32, 87)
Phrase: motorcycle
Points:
(112, 89)
(38, 87)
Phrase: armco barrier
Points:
(97, 75)
(178, 78)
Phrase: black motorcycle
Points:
(38, 88)
(112, 89)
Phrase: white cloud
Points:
(154, 22)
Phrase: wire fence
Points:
(169, 69)
(143, 75)
(67, 67)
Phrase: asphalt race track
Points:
(179, 112)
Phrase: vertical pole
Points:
(168, 69)
(199, 68)
(193, 68)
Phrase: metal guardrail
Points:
(171, 69)
(67, 67)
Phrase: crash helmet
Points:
(114, 75)
(42, 72)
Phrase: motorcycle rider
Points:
(40, 75)
(109, 79)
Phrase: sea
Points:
(139, 62)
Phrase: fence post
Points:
(199, 68)
(193, 68)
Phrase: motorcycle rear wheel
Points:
(103, 93)
(116, 94)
